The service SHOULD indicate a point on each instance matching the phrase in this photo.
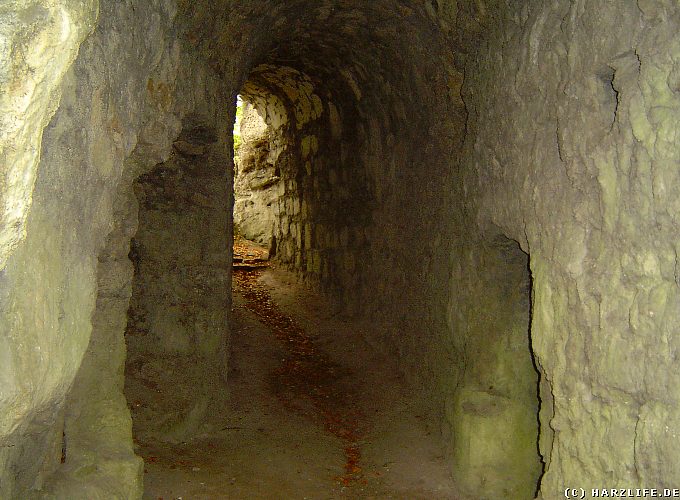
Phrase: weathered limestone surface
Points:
(428, 152)
(573, 152)
(257, 176)
(116, 101)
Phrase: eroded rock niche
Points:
(177, 327)
(492, 417)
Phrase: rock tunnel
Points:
(489, 184)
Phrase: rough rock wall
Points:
(257, 177)
(570, 151)
(96, 452)
(573, 153)
(178, 316)
(115, 101)
(32, 32)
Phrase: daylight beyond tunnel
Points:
(490, 185)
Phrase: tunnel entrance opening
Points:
(177, 321)
(276, 174)
(257, 177)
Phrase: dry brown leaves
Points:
(307, 373)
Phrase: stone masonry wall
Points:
(318, 199)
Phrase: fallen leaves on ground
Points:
(307, 373)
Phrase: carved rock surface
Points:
(493, 184)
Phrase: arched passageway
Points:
(424, 148)
(353, 162)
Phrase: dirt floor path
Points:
(313, 412)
